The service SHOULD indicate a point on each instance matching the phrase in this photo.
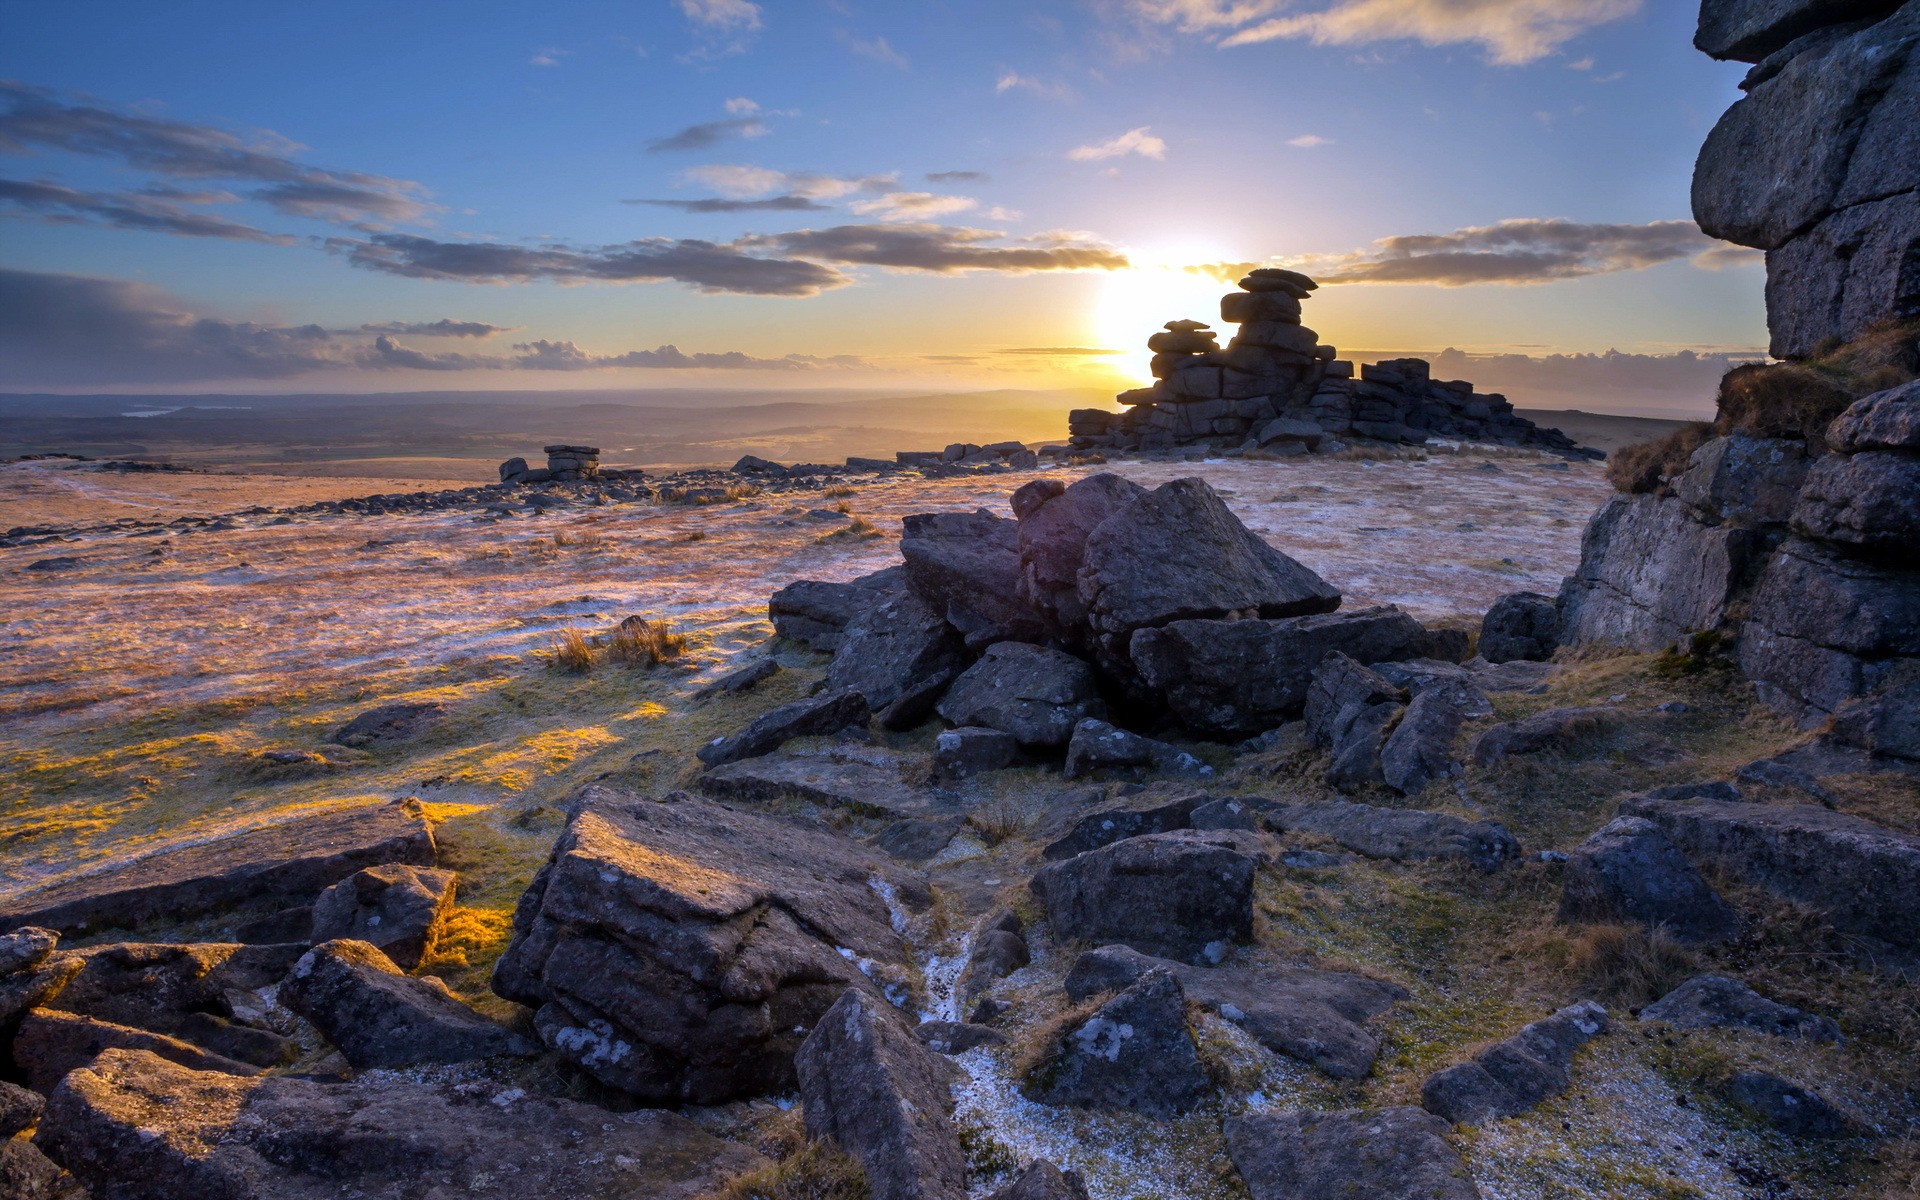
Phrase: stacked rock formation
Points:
(565, 464)
(1275, 388)
(1820, 164)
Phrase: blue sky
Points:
(1110, 151)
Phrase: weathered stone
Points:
(969, 750)
(1888, 420)
(1886, 725)
(33, 986)
(1716, 1002)
(868, 1084)
(1317, 1017)
(1868, 502)
(1793, 1109)
(1860, 876)
(1553, 729)
(1229, 813)
(1851, 272)
(1510, 1077)
(994, 955)
(1240, 678)
(1054, 523)
(398, 909)
(1187, 894)
(1289, 429)
(1240, 307)
(956, 1037)
(26, 948)
(1380, 1153)
(680, 950)
(1750, 30)
(194, 992)
(1278, 279)
(48, 1044)
(379, 1017)
(1398, 833)
(290, 861)
(1043, 1181)
(861, 779)
(1034, 693)
(135, 1127)
(1650, 574)
(1744, 480)
(1108, 826)
(1826, 628)
(900, 655)
(735, 682)
(1133, 1052)
(1631, 873)
(817, 614)
(1096, 745)
(1520, 625)
(967, 567)
(389, 723)
(829, 712)
(918, 838)
(19, 1109)
(27, 1174)
(1420, 748)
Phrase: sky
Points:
(208, 196)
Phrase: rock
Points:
(1036, 694)
(742, 680)
(863, 780)
(1845, 275)
(1716, 1002)
(1108, 826)
(27, 1174)
(969, 750)
(1278, 279)
(1420, 748)
(1630, 873)
(967, 567)
(1290, 429)
(389, 723)
(1379, 1153)
(29, 988)
(1510, 1077)
(1826, 628)
(1277, 307)
(48, 1044)
(680, 950)
(1185, 894)
(1134, 1052)
(398, 909)
(870, 1086)
(817, 614)
(956, 1037)
(379, 1017)
(26, 948)
(1054, 523)
(1043, 1181)
(1317, 1017)
(197, 992)
(900, 655)
(1650, 574)
(1398, 833)
(1340, 689)
(994, 955)
(1178, 553)
(1750, 30)
(1096, 745)
(1553, 729)
(753, 464)
(135, 1127)
(1867, 502)
(1886, 725)
(1860, 876)
(1794, 1110)
(1229, 813)
(816, 716)
(1744, 480)
(1520, 625)
(918, 839)
(290, 861)
(1888, 420)
(19, 1109)
(1239, 678)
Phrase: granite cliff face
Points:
(1819, 164)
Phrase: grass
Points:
(839, 490)
(818, 1171)
(638, 641)
(1622, 965)
(859, 529)
(571, 652)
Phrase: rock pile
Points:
(1276, 389)
(565, 464)
(1819, 165)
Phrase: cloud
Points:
(708, 134)
(878, 50)
(956, 176)
(34, 119)
(944, 249)
(740, 106)
(725, 16)
(1511, 31)
(71, 329)
(909, 206)
(740, 182)
(59, 205)
(1133, 141)
(707, 266)
(548, 57)
(1524, 250)
(787, 203)
(1060, 351)
(1308, 141)
(441, 328)
(1013, 80)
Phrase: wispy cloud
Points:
(878, 50)
(727, 16)
(945, 249)
(1510, 31)
(740, 182)
(549, 57)
(706, 266)
(1524, 250)
(1060, 351)
(444, 327)
(1010, 81)
(59, 205)
(708, 134)
(1133, 141)
(788, 203)
(740, 106)
(911, 206)
(1308, 141)
(956, 176)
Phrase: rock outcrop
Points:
(1185, 894)
(1133, 1052)
(1380, 1153)
(1511, 1076)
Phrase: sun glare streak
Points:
(1156, 289)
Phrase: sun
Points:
(1158, 287)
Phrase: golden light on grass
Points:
(571, 652)
(639, 641)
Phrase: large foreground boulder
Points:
(1378, 1153)
(1133, 1052)
(1651, 573)
(204, 993)
(967, 567)
(291, 862)
(680, 950)
(1054, 524)
(49, 1043)
(1032, 692)
(816, 613)
(1187, 894)
(136, 1127)
(398, 908)
(378, 1017)
(899, 656)
(1629, 872)
(1511, 1076)
(1826, 627)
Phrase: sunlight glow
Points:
(1134, 303)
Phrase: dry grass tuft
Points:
(1620, 964)
(1644, 466)
(840, 489)
(859, 529)
(590, 539)
(819, 1171)
(997, 821)
(1785, 400)
(1037, 1046)
(742, 491)
(571, 652)
(638, 641)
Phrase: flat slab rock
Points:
(1317, 1017)
(1717, 1002)
(867, 783)
(136, 1127)
(1511, 1076)
(1398, 833)
(379, 1017)
(1187, 894)
(291, 861)
(1376, 1153)
(682, 950)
